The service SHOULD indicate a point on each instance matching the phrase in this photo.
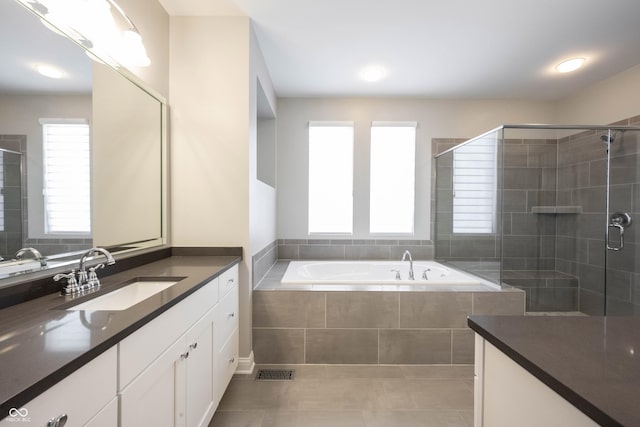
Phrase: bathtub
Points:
(375, 273)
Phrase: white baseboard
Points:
(246, 365)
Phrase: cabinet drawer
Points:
(80, 396)
(226, 317)
(228, 280)
(139, 349)
(226, 364)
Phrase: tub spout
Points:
(404, 257)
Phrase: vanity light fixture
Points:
(92, 24)
(570, 65)
(373, 73)
(132, 51)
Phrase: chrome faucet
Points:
(36, 255)
(106, 253)
(404, 257)
(84, 282)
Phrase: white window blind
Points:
(474, 187)
(330, 177)
(67, 177)
(392, 177)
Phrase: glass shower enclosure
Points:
(549, 209)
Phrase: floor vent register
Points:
(275, 374)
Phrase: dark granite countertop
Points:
(41, 343)
(593, 362)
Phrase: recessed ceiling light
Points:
(570, 65)
(49, 71)
(373, 73)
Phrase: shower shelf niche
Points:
(556, 209)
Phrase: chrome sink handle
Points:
(93, 280)
(72, 283)
(393, 270)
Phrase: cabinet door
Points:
(199, 372)
(542, 406)
(80, 396)
(108, 417)
(156, 396)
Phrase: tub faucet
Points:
(36, 255)
(404, 257)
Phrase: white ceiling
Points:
(436, 49)
(24, 42)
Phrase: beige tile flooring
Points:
(352, 395)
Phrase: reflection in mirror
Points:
(80, 154)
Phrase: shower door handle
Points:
(619, 221)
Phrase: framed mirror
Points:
(81, 149)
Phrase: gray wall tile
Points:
(362, 309)
(499, 303)
(462, 346)
(343, 346)
(278, 345)
(317, 251)
(288, 309)
(552, 299)
(515, 155)
(479, 247)
(541, 156)
(434, 309)
(288, 251)
(367, 252)
(411, 347)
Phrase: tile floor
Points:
(348, 395)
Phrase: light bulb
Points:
(570, 65)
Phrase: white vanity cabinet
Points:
(176, 389)
(87, 397)
(507, 395)
(226, 331)
(169, 373)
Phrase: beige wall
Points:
(209, 131)
(608, 101)
(212, 138)
(436, 119)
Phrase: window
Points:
(392, 177)
(67, 176)
(474, 187)
(330, 177)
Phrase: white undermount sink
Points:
(126, 296)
